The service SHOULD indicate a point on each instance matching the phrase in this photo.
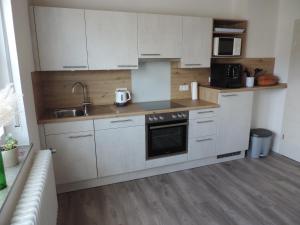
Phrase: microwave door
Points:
(226, 46)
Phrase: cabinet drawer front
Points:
(203, 113)
(75, 157)
(68, 127)
(202, 127)
(102, 124)
(203, 147)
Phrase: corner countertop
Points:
(255, 88)
(110, 111)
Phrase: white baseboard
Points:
(143, 173)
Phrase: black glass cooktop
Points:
(159, 105)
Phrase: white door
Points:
(234, 121)
(159, 36)
(291, 124)
(75, 157)
(61, 38)
(120, 150)
(196, 42)
(111, 40)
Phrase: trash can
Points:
(260, 142)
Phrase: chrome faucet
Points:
(86, 100)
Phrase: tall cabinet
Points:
(234, 121)
(61, 38)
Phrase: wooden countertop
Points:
(255, 88)
(110, 111)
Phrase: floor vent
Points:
(229, 155)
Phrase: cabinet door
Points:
(111, 40)
(196, 42)
(202, 147)
(159, 36)
(120, 150)
(234, 122)
(61, 38)
(75, 157)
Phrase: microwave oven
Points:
(227, 46)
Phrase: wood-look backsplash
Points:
(54, 89)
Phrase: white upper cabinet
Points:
(159, 36)
(235, 120)
(196, 42)
(61, 38)
(111, 40)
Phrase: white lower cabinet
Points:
(75, 158)
(202, 134)
(202, 147)
(120, 149)
(235, 121)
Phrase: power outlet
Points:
(184, 87)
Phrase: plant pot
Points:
(10, 158)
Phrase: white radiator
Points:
(38, 201)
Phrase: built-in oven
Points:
(166, 134)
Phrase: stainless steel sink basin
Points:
(72, 112)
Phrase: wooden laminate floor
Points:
(241, 192)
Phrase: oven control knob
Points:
(150, 119)
(161, 118)
(183, 115)
(174, 116)
(155, 118)
(179, 115)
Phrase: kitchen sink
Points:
(72, 112)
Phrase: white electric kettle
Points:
(122, 96)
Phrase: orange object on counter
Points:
(267, 80)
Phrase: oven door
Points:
(166, 139)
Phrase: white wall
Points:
(17, 19)
(4, 76)
(289, 12)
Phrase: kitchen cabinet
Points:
(202, 147)
(111, 40)
(61, 38)
(75, 157)
(234, 121)
(196, 42)
(159, 36)
(202, 133)
(120, 149)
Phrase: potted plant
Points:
(10, 151)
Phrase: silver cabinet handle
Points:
(125, 66)
(167, 126)
(193, 64)
(232, 95)
(207, 139)
(74, 67)
(205, 112)
(207, 121)
(151, 54)
(121, 121)
(81, 136)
